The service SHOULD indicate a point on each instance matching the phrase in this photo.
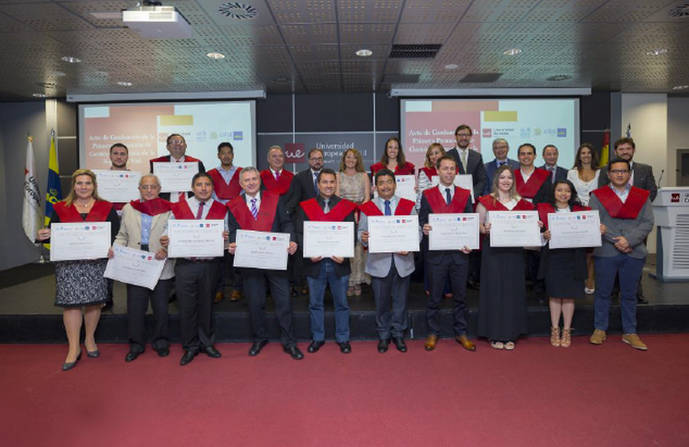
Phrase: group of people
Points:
(276, 200)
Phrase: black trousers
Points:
(255, 281)
(234, 277)
(137, 305)
(455, 268)
(195, 286)
(390, 294)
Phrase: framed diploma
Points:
(406, 187)
(453, 231)
(328, 239)
(465, 181)
(118, 186)
(514, 229)
(175, 177)
(573, 230)
(390, 234)
(261, 250)
(79, 241)
(195, 238)
(136, 267)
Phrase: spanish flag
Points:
(53, 192)
(605, 150)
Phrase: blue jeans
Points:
(629, 271)
(338, 288)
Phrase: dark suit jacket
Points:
(560, 174)
(491, 167)
(166, 195)
(301, 189)
(475, 168)
(643, 178)
(312, 269)
(436, 256)
(281, 224)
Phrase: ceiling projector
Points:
(157, 22)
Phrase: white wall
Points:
(677, 134)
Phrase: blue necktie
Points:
(388, 211)
(254, 210)
(315, 184)
(448, 197)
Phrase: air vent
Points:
(481, 77)
(237, 11)
(399, 78)
(420, 51)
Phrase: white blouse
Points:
(583, 188)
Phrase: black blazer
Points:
(313, 269)
(643, 178)
(282, 223)
(436, 256)
(166, 195)
(301, 189)
(475, 168)
(560, 174)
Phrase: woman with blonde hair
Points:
(80, 284)
(353, 185)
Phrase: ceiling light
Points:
(657, 51)
(512, 52)
(39, 95)
(215, 55)
(559, 78)
(680, 87)
(124, 83)
(451, 66)
(364, 52)
(71, 59)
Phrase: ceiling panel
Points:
(368, 11)
(303, 11)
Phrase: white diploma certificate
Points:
(79, 240)
(136, 267)
(175, 177)
(326, 239)
(453, 231)
(573, 230)
(195, 238)
(391, 234)
(514, 229)
(406, 187)
(118, 186)
(261, 250)
(464, 181)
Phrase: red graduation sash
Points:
(437, 201)
(404, 208)
(430, 172)
(613, 205)
(99, 212)
(406, 169)
(182, 211)
(337, 213)
(547, 208)
(531, 187)
(493, 204)
(280, 186)
(167, 158)
(151, 207)
(224, 190)
(266, 213)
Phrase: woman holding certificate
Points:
(393, 159)
(502, 316)
(353, 185)
(144, 222)
(80, 284)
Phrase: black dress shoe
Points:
(293, 351)
(345, 347)
(163, 352)
(400, 344)
(69, 365)
(187, 357)
(93, 354)
(293, 292)
(107, 306)
(315, 346)
(212, 352)
(131, 356)
(383, 345)
(640, 299)
(256, 347)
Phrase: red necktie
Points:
(199, 213)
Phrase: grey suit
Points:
(643, 178)
(474, 167)
(390, 274)
(560, 174)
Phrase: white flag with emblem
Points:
(31, 209)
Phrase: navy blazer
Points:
(301, 189)
(475, 168)
(491, 167)
(560, 174)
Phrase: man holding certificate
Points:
(626, 212)
(390, 272)
(323, 271)
(177, 147)
(263, 211)
(144, 222)
(196, 278)
(444, 264)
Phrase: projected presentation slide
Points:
(144, 128)
(536, 121)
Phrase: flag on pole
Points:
(605, 150)
(53, 193)
(31, 219)
(628, 134)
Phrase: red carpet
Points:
(534, 396)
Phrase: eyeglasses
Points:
(316, 158)
(463, 134)
(619, 171)
(176, 142)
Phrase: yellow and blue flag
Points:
(53, 192)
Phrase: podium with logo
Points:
(671, 213)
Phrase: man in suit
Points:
(332, 271)
(263, 211)
(390, 272)
(550, 155)
(444, 264)
(500, 150)
(468, 161)
(276, 179)
(177, 147)
(626, 212)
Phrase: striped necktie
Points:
(254, 210)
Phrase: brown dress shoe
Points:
(465, 342)
(431, 341)
(236, 295)
(218, 297)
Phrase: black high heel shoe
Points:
(69, 365)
